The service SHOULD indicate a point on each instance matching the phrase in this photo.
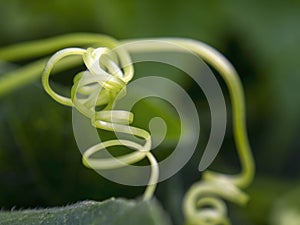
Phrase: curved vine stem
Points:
(207, 193)
(231, 78)
(12, 80)
(32, 49)
(21, 76)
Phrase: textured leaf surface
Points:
(110, 212)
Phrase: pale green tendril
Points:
(12, 80)
(105, 81)
(99, 86)
(203, 204)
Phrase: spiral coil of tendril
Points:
(101, 85)
(203, 205)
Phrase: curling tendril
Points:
(101, 85)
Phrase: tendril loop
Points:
(93, 94)
(203, 205)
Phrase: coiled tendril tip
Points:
(101, 85)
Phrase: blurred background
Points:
(40, 165)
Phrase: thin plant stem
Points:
(37, 48)
(21, 76)
(12, 80)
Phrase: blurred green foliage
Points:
(112, 211)
(39, 161)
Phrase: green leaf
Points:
(109, 212)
